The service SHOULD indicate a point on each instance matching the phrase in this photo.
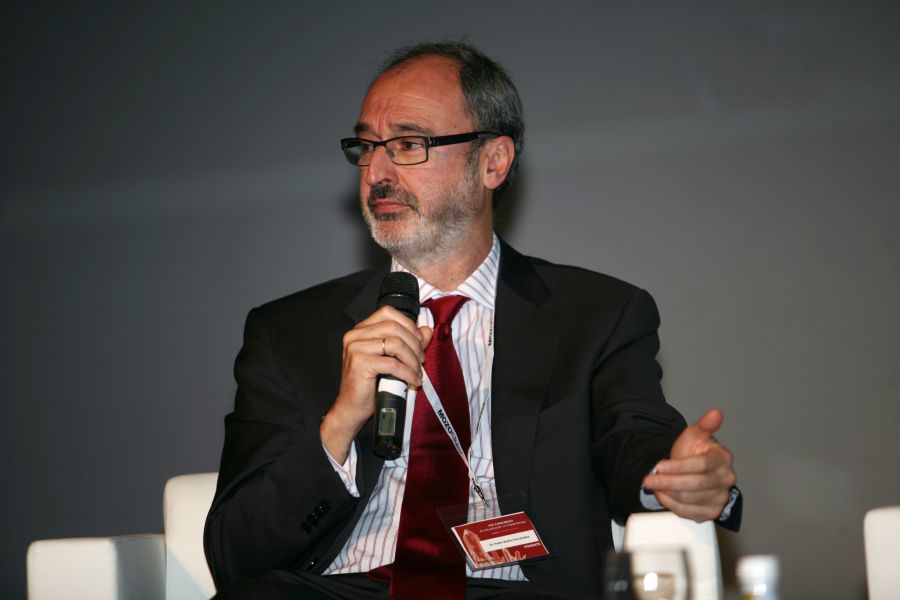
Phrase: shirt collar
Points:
(480, 286)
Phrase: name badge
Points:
(499, 541)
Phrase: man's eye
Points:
(366, 148)
(409, 145)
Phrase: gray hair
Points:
(491, 97)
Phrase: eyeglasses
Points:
(406, 149)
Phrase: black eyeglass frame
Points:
(429, 142)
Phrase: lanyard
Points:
(435, 401)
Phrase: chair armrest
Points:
(128, 567)
(881, 534)
(699, 540)
(186, 501)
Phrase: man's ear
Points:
(497, 156)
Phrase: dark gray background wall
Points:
(167, 167)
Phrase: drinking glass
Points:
(659, 573)
(617, 581)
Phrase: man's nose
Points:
(380, 168)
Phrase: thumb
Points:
(698, 433)
(710, 422)
(426, 333)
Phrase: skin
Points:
(696, 479)
(437, 221)
(436, 218)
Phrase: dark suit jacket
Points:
(578, 420)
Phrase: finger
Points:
(412, 376)
(695, 437)
(711, 421)
(389, 313)
(426, 333)
(704, 427)
(400, 349)
(711, 498)
(700, 463)
(698, 513)
(373, 334)
(364, 359)
(683, 483)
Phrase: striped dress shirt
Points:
(374, 539)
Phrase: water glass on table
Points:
(647, 573)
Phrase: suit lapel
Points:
(526, 336)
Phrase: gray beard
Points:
(434, 236)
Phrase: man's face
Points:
(419, 211)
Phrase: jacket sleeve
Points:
(633, 427)
(278, 502)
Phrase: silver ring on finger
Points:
(383, 353)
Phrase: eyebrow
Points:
(400, 127)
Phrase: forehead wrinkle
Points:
(402, 127)
(410, 127)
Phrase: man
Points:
(566, 418)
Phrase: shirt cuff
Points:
(732, 498)
(648, 498)
(346, 471)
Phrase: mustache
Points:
(380, 191)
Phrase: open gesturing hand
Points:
(696, 479)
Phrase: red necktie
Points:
(427, 563)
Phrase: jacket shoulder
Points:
(561, 277)
(320, 302)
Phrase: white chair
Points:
(132, 567)
(881, 531)
(656, 529)
(173, 566)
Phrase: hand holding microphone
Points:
(387, 343)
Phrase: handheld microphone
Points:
(400, 290)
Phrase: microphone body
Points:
(400, 290)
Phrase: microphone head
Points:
(400, 290)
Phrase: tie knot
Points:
(445, 309)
